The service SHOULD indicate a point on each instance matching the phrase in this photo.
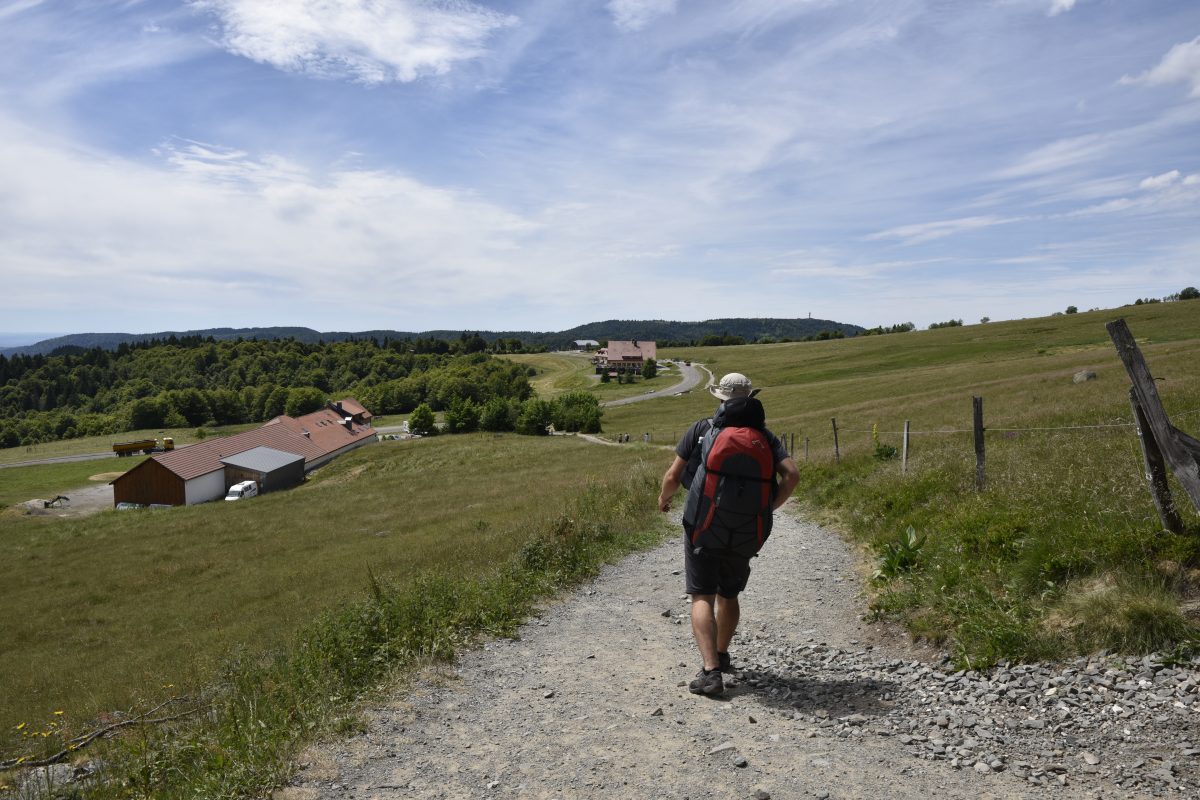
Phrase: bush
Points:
(535, 417)
(422, 421)
(577, 411)
(462, 416)
(498, 415)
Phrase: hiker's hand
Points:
(664, 503)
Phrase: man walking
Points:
(714, 579)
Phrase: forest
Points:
(195, 381)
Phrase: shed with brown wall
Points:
(149, 482)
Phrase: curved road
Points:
(691, 379)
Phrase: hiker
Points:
(717, 557)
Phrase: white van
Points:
(240, 491)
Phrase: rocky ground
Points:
(592, 701)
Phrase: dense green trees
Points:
(193, 381)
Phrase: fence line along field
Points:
(1064, 551)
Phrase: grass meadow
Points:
(103, 444)
(558, 373)
(1064, 551)
(273, 616)
(122, 609)
(46, 481)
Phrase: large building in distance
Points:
(205, 471)
(626, 355)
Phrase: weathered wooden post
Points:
(980, 480)
(1161, 441)
(805, 449)
(904, 450)
(837, 456)
(1156, 470)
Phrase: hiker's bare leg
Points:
(704, 629)
(729, 611)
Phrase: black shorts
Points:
(709, 574)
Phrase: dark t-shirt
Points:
(689, 448)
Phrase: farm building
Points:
(626, 355)
(205, 471)
(271, 469)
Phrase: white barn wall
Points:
(210, 486)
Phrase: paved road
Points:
(59, 460)
(692, 376)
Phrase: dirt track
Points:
(591, 701)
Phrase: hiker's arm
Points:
(789, 476)
(671, 482)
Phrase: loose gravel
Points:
(591, 701)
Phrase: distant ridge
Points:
(750, 329)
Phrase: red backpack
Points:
(729, 500)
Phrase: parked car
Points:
(240, 491)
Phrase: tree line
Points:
(199, 382)
(571, 411)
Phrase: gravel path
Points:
(591, 702)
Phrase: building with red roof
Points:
(197, 474)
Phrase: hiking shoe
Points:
(707, 682)
(726, 663)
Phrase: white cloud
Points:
(187, 233)
(1060, 6)
(14, 8)
(1181, 64)
(1058, 155)
(370, 41)
(928, 231)
(1160, 181)
(633, 15)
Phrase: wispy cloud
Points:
(633, 15)
(1060, 6)
(928, 231)
(1181, 64)
(1059, 155)
(369, 41)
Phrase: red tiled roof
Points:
(204, 457)
(326, 434)
(353, 408)
(325, 429)
(623, 351)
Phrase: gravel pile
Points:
(1111, 722)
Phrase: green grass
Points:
(1061, 506)
(46, 481)
(103, 444)
(105, 611)
(558, 373)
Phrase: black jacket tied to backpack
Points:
(728, 508)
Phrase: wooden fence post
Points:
(1180, 451)
(1156, 469)
(904, 451)
(805, 449)
(980, 482)
(837, 456)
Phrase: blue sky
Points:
(537, 164)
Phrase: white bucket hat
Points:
(735, 384)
